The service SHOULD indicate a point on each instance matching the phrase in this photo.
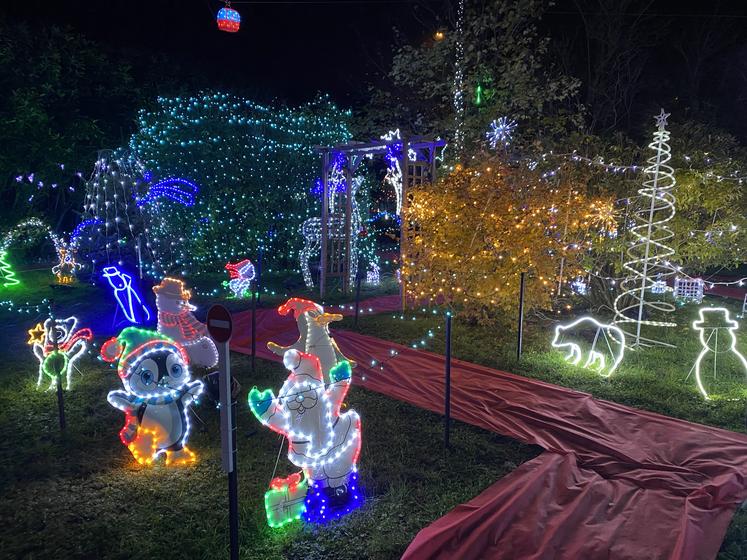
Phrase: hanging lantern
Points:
(229, 20)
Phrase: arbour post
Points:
(325, 222)
(404, 161)
(348, 224)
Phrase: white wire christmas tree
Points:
(648, 254)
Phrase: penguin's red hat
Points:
(132, 343)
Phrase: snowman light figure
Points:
(175, 320)
(322, 441)
(714, 320)
(157, 394)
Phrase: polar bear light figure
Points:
(606, 351)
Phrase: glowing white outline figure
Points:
(71, 342)
(128, 307)
(648, 253)
(698, 326)
(595, 360)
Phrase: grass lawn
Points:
(652, 379)
(82, 495)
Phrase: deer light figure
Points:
(311, 230)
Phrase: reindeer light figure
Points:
(311, 230)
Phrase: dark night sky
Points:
(292, 49)
(287, 50)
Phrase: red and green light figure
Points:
(285, 501)
(7, 275)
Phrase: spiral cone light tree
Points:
(649, 254)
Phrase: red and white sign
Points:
(219, 324)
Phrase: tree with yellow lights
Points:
(473, 233)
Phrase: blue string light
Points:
(176, 189)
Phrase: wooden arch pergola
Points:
(417, 164)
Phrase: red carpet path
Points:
(614, 482)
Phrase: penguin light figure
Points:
(313, 334)
(321, 440)
(157, 393)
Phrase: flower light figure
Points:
(501, 132)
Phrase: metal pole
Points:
(60, 394)
(325, 224)
(404, 165)
(348, 263)
(255, 297)
(228, 438)
(447, 390)
(259, 273)
(521, 316)
(139, 257)
(233, 492)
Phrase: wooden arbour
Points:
(418, 164)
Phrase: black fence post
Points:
(255, 297)
(259, 273)
(357, 291)
(521, 316)
(447, 389)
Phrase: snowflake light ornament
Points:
(501, 132)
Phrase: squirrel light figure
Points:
(313, 334)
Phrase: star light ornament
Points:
(58, 344)
(648, 254)
(607, 349)
(722, 325)
(500, 133)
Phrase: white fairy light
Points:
(688, 289)
(648, 251)
(500, 132)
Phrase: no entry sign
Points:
(219, 323)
